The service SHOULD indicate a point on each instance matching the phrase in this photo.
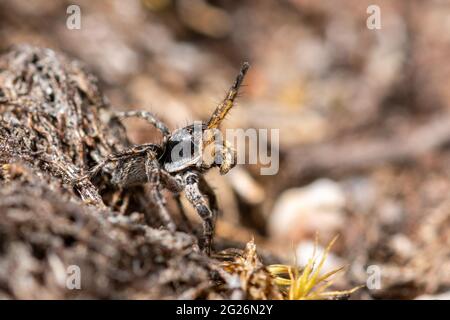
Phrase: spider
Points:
(178, 163)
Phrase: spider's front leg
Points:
(154, 173)
(199, 201)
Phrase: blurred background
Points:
(363, 116)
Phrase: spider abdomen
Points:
(130, 172)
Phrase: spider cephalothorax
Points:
(179, 162)
(198, 147)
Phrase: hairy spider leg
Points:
(187, 224)
(200, 202)
(149, 117)
(152, 171)
(224, 107)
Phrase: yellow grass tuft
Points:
(308, 283)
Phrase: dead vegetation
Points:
(54, 123)
(368, 111)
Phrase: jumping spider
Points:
(162, 167)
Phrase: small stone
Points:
(391, 213)
(402, 245)
(301, 212)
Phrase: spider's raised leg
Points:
(224, 107)
(200, 202)
(149, 117)
(153, 173)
